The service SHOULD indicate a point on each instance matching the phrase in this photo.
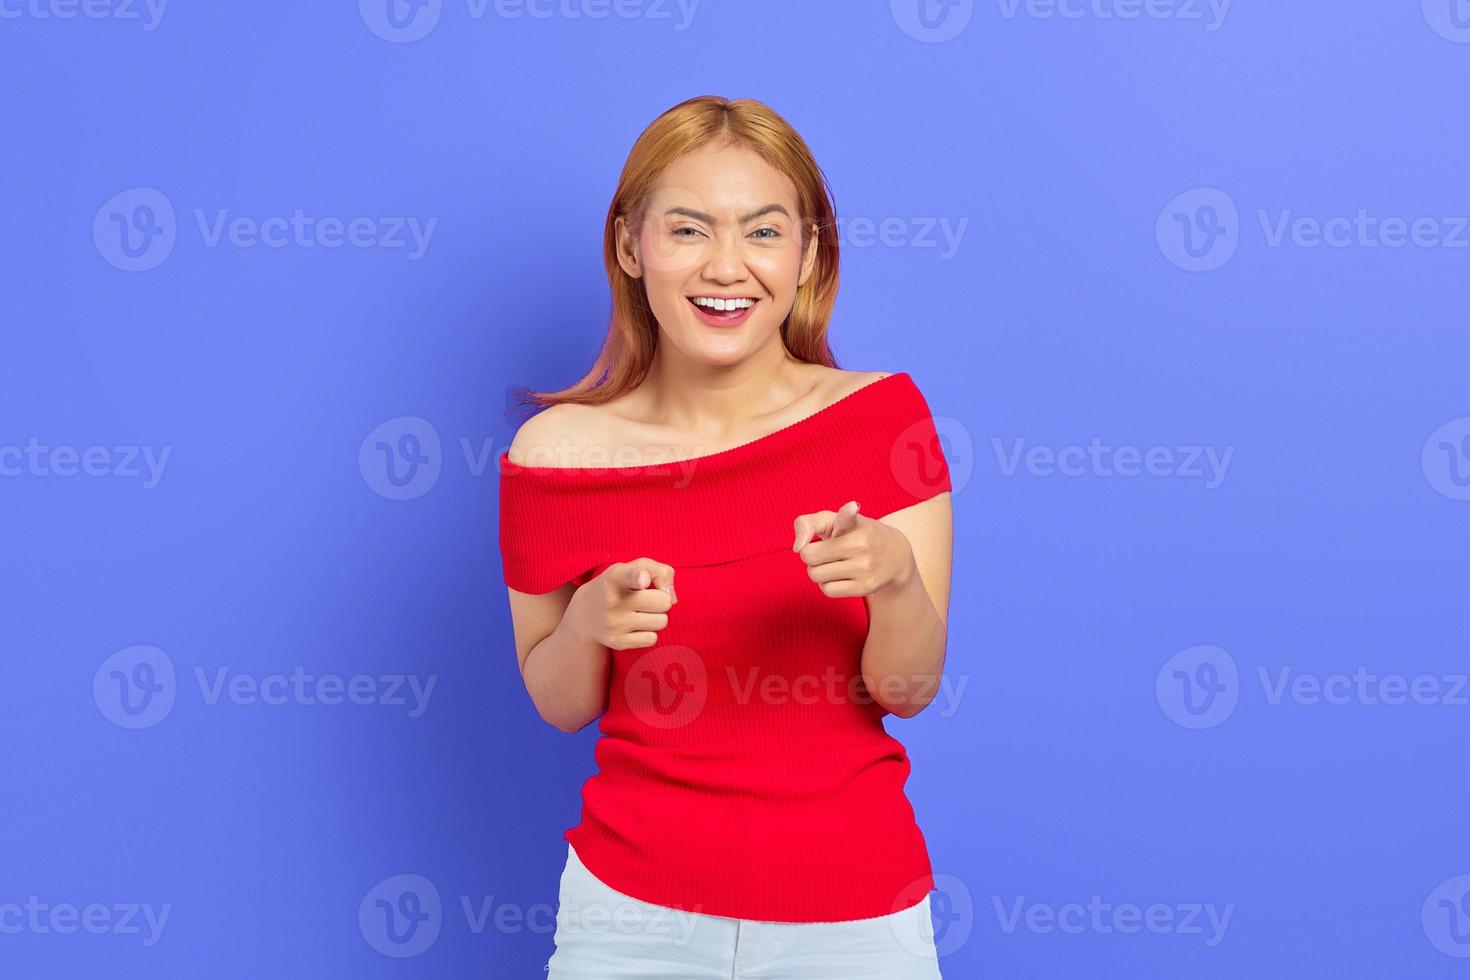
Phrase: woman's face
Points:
(723, 225)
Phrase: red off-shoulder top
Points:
(743, 770)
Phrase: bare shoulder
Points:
(840, 383)
(555, 435)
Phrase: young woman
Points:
(738, 557)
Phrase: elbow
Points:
(907, 709)
(904, 697)
(565, 721)
(561, 716)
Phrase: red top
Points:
(742, 769)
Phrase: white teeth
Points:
(716, 303)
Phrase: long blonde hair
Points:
(632, 331)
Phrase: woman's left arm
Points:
(900, 564)
(908, 618)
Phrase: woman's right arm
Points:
(565, 674)
(564, 638)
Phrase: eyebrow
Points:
(710, 219)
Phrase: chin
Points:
(723, 355)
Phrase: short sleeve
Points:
(550, 532)
(913, 467)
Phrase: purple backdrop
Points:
(1184, 282)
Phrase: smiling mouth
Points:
(723, 312)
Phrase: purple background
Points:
(1069, 307)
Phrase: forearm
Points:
(904, 653)
(566, 676)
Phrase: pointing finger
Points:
(846, 519)
(810, 524)
(632, 577)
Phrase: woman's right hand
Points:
(625, 606)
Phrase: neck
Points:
(717, 399)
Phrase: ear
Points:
(627, 248)
(809, 259)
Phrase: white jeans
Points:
(602, 934)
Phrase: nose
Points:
(723, 260)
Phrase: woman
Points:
(738, 557)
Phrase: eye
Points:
(676, 231)
(773, 233)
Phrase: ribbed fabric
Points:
(742, 770)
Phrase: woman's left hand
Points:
(856, 555)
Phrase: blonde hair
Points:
(632, 332)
